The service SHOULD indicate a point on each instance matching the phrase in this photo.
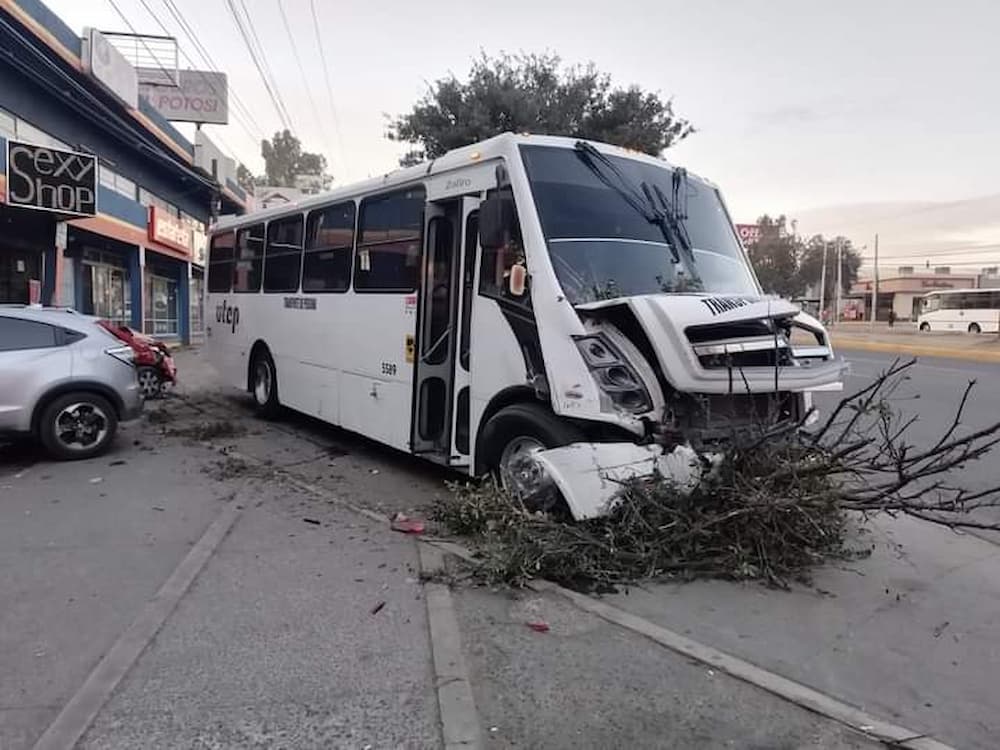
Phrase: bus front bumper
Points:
(589, 476)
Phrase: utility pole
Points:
(871, 322)
(840, 285)
(822, 283)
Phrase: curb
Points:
(915, 350)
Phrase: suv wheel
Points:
(77, 425)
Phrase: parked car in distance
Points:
(153, 362)
(65, 380)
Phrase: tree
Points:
(284, 160)
(245, 178)
(811, 265)
(775, 257)
(537, 94)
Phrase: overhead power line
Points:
(262, 55)
(326, 78)
(257, 64)
(305, 78)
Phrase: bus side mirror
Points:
(497, 221)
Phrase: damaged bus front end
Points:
(658, 342)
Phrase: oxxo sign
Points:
(51, 180)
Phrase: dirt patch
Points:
(208, 430)
(231, 467)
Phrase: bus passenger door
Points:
(437, 332)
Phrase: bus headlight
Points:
(613, 375)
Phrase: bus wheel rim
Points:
(515, 468)
(262, 382)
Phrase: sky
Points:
(854, 117)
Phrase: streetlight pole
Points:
(871, 322)
(840, 285)
(822, 284)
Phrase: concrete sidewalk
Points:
(296, 635)
(911, 634)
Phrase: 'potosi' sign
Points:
(51, 179)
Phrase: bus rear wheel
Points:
(925, 327)
(974, 328)
(512, 435)
(264, 384)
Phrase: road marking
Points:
(77, 715)
(459, 719)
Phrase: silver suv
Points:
(64, 379)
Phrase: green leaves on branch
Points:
(536, 94)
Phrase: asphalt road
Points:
(932, 394)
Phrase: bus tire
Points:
(521, 429)
(974, 328)
(925, 327)
(264, 384)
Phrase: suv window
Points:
(16, 334)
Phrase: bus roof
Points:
(504, 144)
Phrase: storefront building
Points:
(104, 205)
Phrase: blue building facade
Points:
(136, 254)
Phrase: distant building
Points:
(902, 291)
(268, 196)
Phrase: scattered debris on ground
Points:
(407, 525)
(232, 467)
(780, 502)
(312, 521)
(209, 430)
(159, 416)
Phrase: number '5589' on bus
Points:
(559, 313)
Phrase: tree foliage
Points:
(775, 257)
(535, 93)
(284, 160)
(788, 266)
(245, 178)
(811, 264)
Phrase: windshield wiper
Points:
(642, 202)
(672, 213)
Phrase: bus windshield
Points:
(603, 247)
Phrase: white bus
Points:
(968, 310)
(542, 308)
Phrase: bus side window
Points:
(249, 259)
(220, 263)
(471, 243)
(390, 234)
(326, 264)
(283, 255)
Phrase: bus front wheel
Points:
(264, 384)
(925, 327)
(513, 434)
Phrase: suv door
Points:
(32, 355)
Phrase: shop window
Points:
(283, 255)
(220, 263)
(389, 238)
(28, 132)
(326, 264)
(161, 305)
(18, 334)
(249, 259)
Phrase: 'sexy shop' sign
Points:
(51, 179)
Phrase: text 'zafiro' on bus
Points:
(561, 313)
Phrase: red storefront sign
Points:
(168, 230)
(749, 233)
